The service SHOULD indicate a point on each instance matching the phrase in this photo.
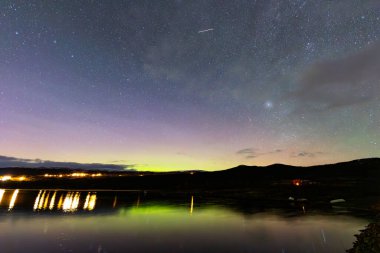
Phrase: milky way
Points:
(172, 85)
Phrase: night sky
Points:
(176, 85)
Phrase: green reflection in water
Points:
(138, 229)
(141, 226)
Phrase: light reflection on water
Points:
(47, 221)
(13, 199)
(67, 202)
(2, 191)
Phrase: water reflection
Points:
(71, 202)
(13, 199)
(90, 202)
(125, 221)
(67, 202)
(2, 191)
(52, 201)
(114, 202)
(192, 204)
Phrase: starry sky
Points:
(201, 84)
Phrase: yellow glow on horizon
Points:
(162, 156)
(160, 161)
(167, 159)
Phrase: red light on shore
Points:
(297, 182)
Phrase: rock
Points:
(334, 201)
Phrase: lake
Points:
(131, 221)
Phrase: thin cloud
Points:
(13, 162)
(246, 151)
(250, 153)
(306, 154)
(342, 82)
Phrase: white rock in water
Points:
(337, 201)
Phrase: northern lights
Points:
(178, 85)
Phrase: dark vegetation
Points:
(368, 241)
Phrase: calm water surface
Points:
(82, 221)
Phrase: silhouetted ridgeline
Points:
(348, 175)
(357, 169)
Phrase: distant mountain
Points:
(356, 168)
(341, 180)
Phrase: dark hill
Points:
(356, 169)
(364, 173)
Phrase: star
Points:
(268, 105)
(210, 78)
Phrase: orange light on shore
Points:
(79, 174)
(11, 178)
(297, 182)
(5, 178)
(75, 174)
